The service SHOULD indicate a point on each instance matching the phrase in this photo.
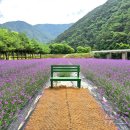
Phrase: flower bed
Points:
(19, 82)
(113, 79)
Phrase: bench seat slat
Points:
(64, 70)
(65, 65)
(65, 78)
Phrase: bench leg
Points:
(51, 84)
(78, 84)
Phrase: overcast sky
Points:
(46, 11)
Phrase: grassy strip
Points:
(64, 74)
(52, 55)
(74, 55)
(79, 55)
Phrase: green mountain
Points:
(105, 27)
(40, 32)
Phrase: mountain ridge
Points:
(105, 27)
(40, 32)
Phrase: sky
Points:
(46, 11)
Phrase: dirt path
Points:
(68, 109)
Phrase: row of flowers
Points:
(19, 82)
(113, 79)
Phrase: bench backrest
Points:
(65, 68)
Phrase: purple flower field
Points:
(21, 80)
(113, 79)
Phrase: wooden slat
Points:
(65, 78)
(64, 65)
(64, 70)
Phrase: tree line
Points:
(19, 46)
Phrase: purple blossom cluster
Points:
(113, 79)
(19, 82)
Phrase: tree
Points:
(81, 49)
(59, 48)
(122, 46)
(14, 43)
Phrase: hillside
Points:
(53, 29)
(40, 32)
(106, 27)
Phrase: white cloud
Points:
(46, 11)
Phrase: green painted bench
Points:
(65, 68)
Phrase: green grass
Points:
(64, 74)
(79, 55)
(53, 55)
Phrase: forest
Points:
(106, 27)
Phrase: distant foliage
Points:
(122, 46)
(81, 49)
(59, 48)
(106, 27)
(14, 42)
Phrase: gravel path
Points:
(68, 109)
